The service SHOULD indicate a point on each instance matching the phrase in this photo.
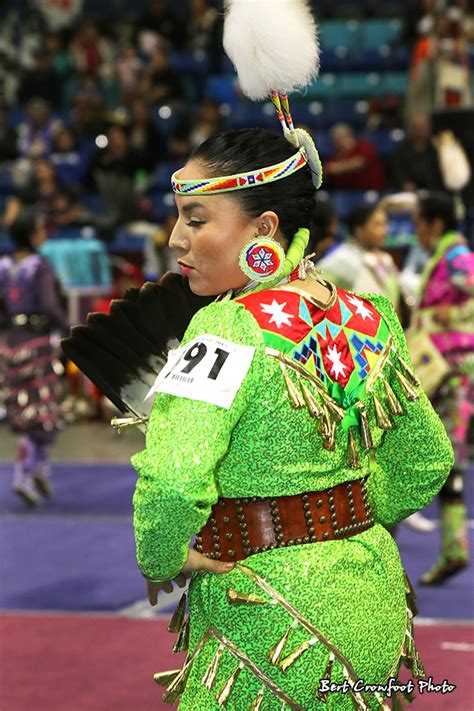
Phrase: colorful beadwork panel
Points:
(338, 345)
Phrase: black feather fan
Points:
(122, 352)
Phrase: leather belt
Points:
(238, 528)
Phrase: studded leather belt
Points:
(238, 528)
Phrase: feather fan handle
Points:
(273, 45)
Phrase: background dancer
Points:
(445, 314)
(32, 313)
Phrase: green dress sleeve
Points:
(414, 458)
(185, 442)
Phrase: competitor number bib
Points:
(207, 369)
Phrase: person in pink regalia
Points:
(446, 313)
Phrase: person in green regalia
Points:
(264, 421)
(263, 424)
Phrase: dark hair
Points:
(234, 152)
(24, 227)
(360, 215)
(437, 205)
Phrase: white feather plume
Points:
(273, 45)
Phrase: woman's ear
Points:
(268, 224)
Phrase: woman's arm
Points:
(186, 439)
(416, 456)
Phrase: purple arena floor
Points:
(77, 551)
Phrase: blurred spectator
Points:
(324, 228)
(415, 163)
(8, 138)
(70, 163)
(361, 264)
(91, 52)
(112, 173)
(206, 31)
(355, 165)
(144, 138)
(42, 81)
(159, 25)
(59, 15)
(208, 123)
(60, 59)
(55, 201)
(467, 18)
(37, 132)
(159, 82)
(129, 69)
(157, 258)
(88, 115)
(439, 73)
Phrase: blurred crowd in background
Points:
(101, 102)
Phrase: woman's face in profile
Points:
(209, 234)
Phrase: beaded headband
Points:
(229, 183)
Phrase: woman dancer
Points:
(32, 311)
(259, 441)
(265, 419)
(446, 313)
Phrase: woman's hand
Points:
(195, 561)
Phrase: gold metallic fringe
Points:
(286, 663)
(394, 404)
(236, 598)
(211, 671)
(313, 407)
(381, 416)
(176, 688)
(229, 685)
(177, 620)
(166, 678)
(409, 389)
(352, 456)
(412, 659)
(410, 595)
(275, 653)
(327, 430)
(293, 392)
(323, 695)
(357, 698)
(407, 371)
(400, 699)
(365, 434)
(182, 643)
(334, 409)
(383, 705)
(257, 702)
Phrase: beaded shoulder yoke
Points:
(335, 360)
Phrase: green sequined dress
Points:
(337, 607)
